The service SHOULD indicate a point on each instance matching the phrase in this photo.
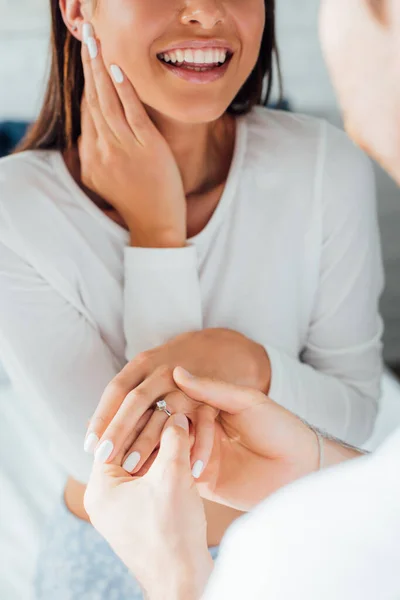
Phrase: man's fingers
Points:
(223, 396)
(174, 454)
(103, 479)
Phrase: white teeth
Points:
(189, 56)
(209, 56)
(199, 57)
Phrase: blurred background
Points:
(25, 494)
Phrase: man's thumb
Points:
(218, 394)
(174, 450)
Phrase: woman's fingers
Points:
(104, 99)
(131, 439)
(133, 407)
(204, 439)
(223, 396)
(145, 444)
(91, 96)
(114, 101)
(132, 375)
(136, 116)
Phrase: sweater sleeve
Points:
(162, 296)
(54, 356)
(336, 384)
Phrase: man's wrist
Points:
(337, 452)
(181, 582)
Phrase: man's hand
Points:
(124, 419)
(156, 523)
(259, 446)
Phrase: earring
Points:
(75, 28)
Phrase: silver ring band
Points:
(162, 406)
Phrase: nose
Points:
(206, 13)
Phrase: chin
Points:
(194, 113)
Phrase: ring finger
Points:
(136, 403)
(146, 442)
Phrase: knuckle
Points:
(146, 442)
(139, 121)
(91, 98)
(136, 396)
(141, 359)
(108, 110)
(164, 372)
(89, 501)
(113, 389)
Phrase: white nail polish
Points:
(92, 47)
(197, 469)
(117, 74)
(87, 32)
(90, 443)
(131, 462)
(104, 451)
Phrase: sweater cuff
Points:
(276, 386)
(160, 258)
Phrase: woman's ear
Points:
(74, 13)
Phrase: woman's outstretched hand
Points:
(161, 514)
(125, 417)
(124, 159)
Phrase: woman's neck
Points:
(203, 152)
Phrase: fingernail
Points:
(91, 442)
(104, 451)
(186, 373)
(92, 47)
(131, 462)
(181, 421)
(87, 32)
(117, 74)
(197, 469)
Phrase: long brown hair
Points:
(58, 126)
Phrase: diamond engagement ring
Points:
(162, 405)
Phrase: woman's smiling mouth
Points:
(197, 62)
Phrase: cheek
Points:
(128, 29)
(249, 16)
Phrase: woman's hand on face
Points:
(161, 513)
(127, 423)
(259, 445)
(124, 159)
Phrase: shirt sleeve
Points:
(335, 534)
(54, 357)
(162, 296)
(336, 384)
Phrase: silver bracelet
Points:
(323, 435)
(321, 446)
